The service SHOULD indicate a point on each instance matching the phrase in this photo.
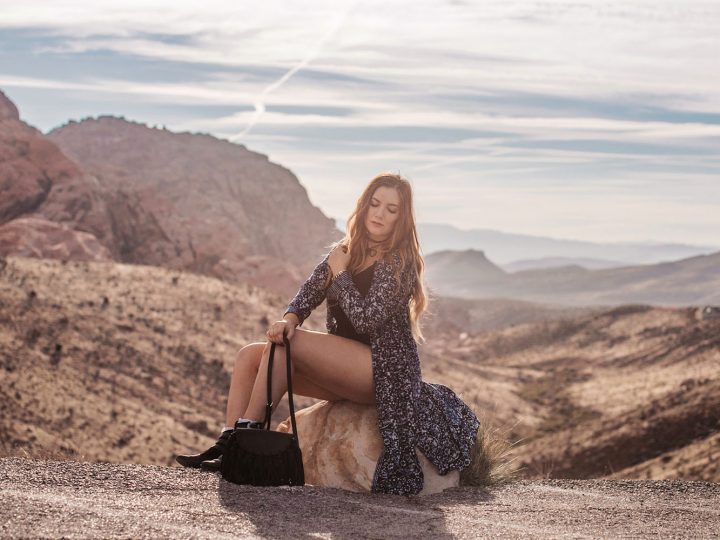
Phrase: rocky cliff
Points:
(38, 180)
(223, 210)
(111, 189)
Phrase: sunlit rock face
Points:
(341, 443)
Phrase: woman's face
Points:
(383, 213)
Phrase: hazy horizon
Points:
(579, 121)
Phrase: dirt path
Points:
(66, 499)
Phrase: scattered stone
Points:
(56, 355)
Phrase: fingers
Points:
(339, 258)
(271, 334)
(275, 333)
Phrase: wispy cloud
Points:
(314, 52)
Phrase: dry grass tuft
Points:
(490, 464)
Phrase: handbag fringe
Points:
(284, 468)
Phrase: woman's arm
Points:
(311, 293)
(383, 299)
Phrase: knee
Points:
(279, 361)
(249, 356)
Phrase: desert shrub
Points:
(490, 462)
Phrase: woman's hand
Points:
(339, 259)
(286, 326)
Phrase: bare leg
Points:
(330, 362)
(245, 373)
(243, 378)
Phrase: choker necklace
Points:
(372, 249)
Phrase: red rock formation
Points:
(36, 178)
(37, 237)
(223, 210)
(153, 197)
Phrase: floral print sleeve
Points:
(384, 298)
(311, 293)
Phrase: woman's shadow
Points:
(322, 512)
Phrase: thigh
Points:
(342, 365)
(302, 386)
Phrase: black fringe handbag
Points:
(262, 457)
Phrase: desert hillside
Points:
(450, 315)
(631, 392)
(130, 363)
(119, 362)
(470, 274)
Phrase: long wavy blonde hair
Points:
(404, 240)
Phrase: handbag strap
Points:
(268, 408)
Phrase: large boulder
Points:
(341, 444)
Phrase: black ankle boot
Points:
(249, 424)
(216, 463)
(213, 452)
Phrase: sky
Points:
(591, 120)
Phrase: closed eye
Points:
(389, 209)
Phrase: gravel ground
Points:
(67, 499)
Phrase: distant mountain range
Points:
(513, 252)
(470, 274)
(523, 251)
(554, 262)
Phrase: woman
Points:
(372, 280)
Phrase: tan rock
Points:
(341, 443)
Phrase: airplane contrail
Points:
(260, 100)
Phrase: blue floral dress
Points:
(411, 413)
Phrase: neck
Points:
(376, 240)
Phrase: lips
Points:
(376, 223)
